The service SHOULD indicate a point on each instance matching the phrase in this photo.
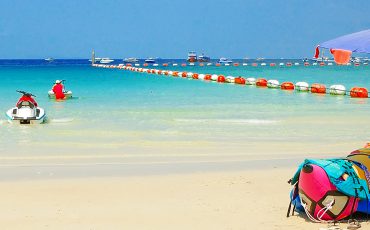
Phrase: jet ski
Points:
(26, 111)
(67, 93)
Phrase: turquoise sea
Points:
(119, 116)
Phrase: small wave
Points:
(228, 121)
(60, 120)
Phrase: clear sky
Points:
(171, 28)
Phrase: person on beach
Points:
(58, 90)
(27, 97)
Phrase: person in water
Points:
(27, 97)
(58, 90)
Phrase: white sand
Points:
(232, 200)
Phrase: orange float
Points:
(261, 82)
(183, 64)
(165, 64)
(165, 72)
(184, 74)
(195, 76)
(272, 64)
(236, 64)
(239, 80)
(221, 78)
(175, 74)
(318, 88)
(322, 63)
(359, 92)
(145, 64)
(218, 64)
(201, 64)
(207, 77)
(287, 86)
(254, 64)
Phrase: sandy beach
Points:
(253, 199)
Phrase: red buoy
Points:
(318, 88)
(287, 86)
(359, 92)
(261, 82)
(207, 77)
(239, 80)
(221, 78)
(195, 76)
(184, 74)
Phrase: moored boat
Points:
(192, 56)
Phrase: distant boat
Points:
(130, 60)
(150, 60)
(106, 60)
(49, 59)
(97, 59)
(192, 56)
(225, 60)
(203, 58)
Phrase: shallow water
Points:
(123, 116)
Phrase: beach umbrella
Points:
(342, 47)
(358, 42)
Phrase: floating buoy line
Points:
(315, 88)
(254, 64)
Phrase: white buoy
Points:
(337, 90)
(245, 64)
(174, 64)
(330, 63)
(214, 77)
(209, 64)
(201, 76)
(227, 64)
(250, 81)
(263, 64)
(273, 84)
(302, 86)
(190, 74)
(230, 79)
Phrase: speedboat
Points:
(97, 59)
(26, 111)
(130, 60)
(192, 56)
(203, 58)
(149, 60)
(106, 60)
(225, 60)
(49, 59)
